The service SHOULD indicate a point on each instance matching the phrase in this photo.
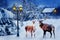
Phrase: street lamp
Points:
(17, 9)
(14, 8)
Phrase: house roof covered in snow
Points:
(48, 10)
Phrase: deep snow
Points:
(38, 33)
(8, 14)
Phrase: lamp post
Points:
(17, 10)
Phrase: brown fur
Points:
(47, 28)
(29, 29)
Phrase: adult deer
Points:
(47, 28)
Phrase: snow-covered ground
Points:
(38, 33)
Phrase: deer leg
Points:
(44, 34)
(26, 34)
(34, 34)
(31, 34)
(50, 34)
(54, 32)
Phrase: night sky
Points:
(52, 3)
(49, 3)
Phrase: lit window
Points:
(55, 11)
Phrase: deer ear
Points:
(33, 22)
(40, 21)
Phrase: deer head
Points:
(40, 23)
(33, 22)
